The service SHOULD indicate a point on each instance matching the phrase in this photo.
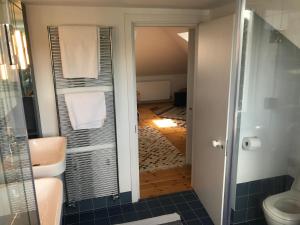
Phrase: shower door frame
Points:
(233, 120)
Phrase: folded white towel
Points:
(86, 110)
(78, 46)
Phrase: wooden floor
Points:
(168, 181)
(163, 182)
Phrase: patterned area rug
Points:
(171, 112)
(178, 113)
(180, 123)
(156, 152)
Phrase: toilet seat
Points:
(285, 206)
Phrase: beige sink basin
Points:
(48, 156)
(49, 196)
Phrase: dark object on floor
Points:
(186, 204)
(180, 98)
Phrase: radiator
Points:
(153, 90)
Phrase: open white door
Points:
(211, 96)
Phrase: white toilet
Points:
(284, 208)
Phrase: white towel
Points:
(86, 110)
(78, 46)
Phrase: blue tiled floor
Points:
(186, 204)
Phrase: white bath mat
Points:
(170, 219)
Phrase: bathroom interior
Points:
(52, 166)
(267, 112)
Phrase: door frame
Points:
(192, 21)
(157, 19)
(190, 94)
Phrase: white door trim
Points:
(190, 95)
(156, 18)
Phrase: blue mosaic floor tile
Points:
(101, 213)
(170, 208)
(152, 203)
(166, 201)
(186, 204)
(100, 203)
(86, 216)
(194, 222)
(103, 221)
(128, 208)
(144, 214)
(201, 212)
(92, 222)
(190, 197)
(158, 211)
(178, 199)
(115, 210)
(206, 221)
(183, 207)
(195, 204)
(132, 216)
(71, 219)
(188, 215)
(116, 219)
(86, 205)
(141, 206)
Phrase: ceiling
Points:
(160, 50)
(176, 4)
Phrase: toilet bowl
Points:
(284, 208)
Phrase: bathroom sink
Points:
(49, 196)
(48, 156)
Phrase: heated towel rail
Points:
(92, 166)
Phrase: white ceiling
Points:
(179, 4)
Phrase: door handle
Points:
(218, 144)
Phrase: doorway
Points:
(212, 72)
(163, 89)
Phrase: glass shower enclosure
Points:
(267, 129)
(17, 196)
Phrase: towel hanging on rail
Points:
(86, 110)
(78, 45)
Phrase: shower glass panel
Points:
(25, 69)
(17, 196)
(268, 106)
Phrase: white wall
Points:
(270, 106)
(159, 50)
(284, 15)
(39, 17)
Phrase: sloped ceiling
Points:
(180, 4)
(159, 50)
